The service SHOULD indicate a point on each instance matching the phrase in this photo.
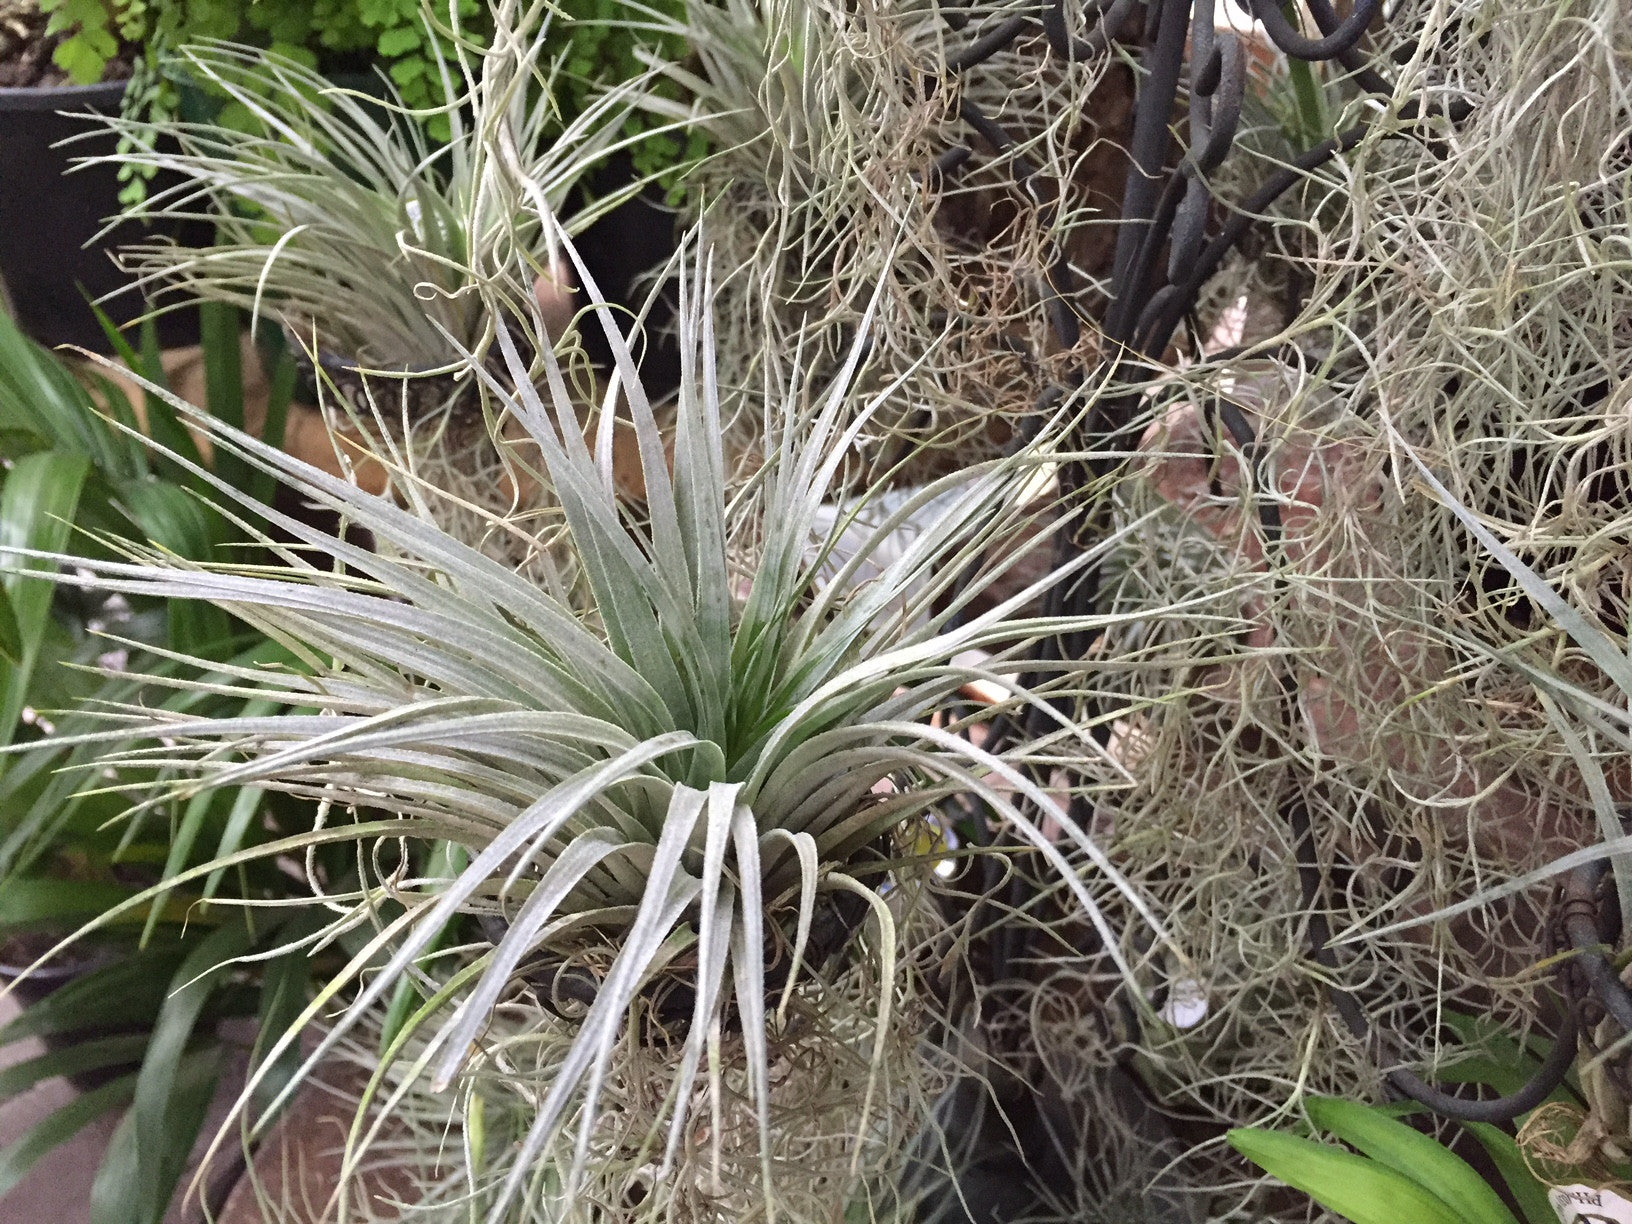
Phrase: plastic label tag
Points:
(1586, 1205)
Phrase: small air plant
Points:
(338, 216)
(660, 795)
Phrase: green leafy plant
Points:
(304, 29)
(610, 42)
(1395, 1173)
(140, 1005)
(592, 45)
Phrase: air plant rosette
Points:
(386, 258)
(668, 787)
(338, 217)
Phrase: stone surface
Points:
(58, 1189)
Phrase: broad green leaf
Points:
(1360, 1190)
(43, 406)
(280, 392)
(11, 635)
(220, 330)
(136, 1151)
(85, 55)
(174, 443)
(1528, 1192)
(1423, 1159)
(1499, 1061)
(163, 1094)
(40, 901)
(125, 994)
(36, 512)
(244, 806)
(180, 523)
(193, 817)
(284, 985)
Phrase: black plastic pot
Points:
(620, 250)
(48, 216)
(419, 392)
(568, 990)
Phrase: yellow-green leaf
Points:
(1423, 1159)
(1360, 1190)
(1528, 1192)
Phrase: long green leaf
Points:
(1423, 1159)
(183, 525)
(59, 1126)
(43, 401)
(126, 993)
(174, 442)
(91, 1055)
(46, 900)
(1360, 1190)
(283, 994)
(163, 1094)
(114, 1199)
(36, 513)
(1529, 1193)
(1500, 1060)
(11, 634)
(280, 393)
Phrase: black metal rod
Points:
(1149, 146)
(988, 45)
(1291, 40)
(1580, 922)
(1533, 1092)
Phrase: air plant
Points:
(661, 794)
(824, 121)
(1424, 471)
(339, 217)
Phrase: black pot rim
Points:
(58, 97)
(45, 974)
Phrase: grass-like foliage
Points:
(662, 792)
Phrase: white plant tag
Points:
(1586, 1205)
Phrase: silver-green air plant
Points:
(665, 783)
(338, 216)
